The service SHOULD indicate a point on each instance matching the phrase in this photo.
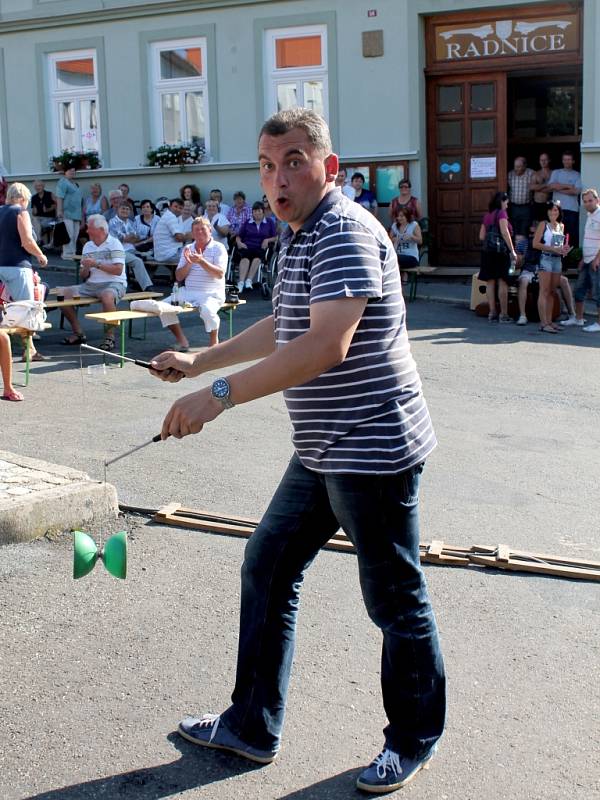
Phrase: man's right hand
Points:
(172, 366)
(42, 260)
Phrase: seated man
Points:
(202, 271)
(43, 212)
(168, 236)
(103, 270)
(123, 228)
(187, 217)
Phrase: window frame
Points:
(57, 95)
(276, 76)
(160, 86)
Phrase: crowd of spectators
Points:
(533, 227)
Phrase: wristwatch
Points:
(220, 390)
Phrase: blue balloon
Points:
(455, 167)
(445, 168)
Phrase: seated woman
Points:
(145, 223)
(252, 241)
(201, 270)
(8, 392)
(407, 238)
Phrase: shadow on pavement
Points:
(196, 768)
(335, 788)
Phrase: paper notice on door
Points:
(483, 167)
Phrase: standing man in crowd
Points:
(69, 209)
(337, 346)
(566, 187)
(519, 194)
(539, 186)
(589, 266)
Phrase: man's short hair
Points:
(592, 191)
(177, 200)
(313, 125)
(124, 204)
(216, 190)
(201, 221)
(257, 205)
(98, 221)
(359, 175)
(239, 194)
(17, 191)
(114, 193)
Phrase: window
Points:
(74, 100)
(296, 65)
(180, 93)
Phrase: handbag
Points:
(27, 314)
(494, 241)
(60, 235)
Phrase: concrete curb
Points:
(48, 498)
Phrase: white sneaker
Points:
(522, 320)
(593, 328)
(248, 284)
(240, 287)
(572, 321)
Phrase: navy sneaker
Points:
(209, 731)
(390, 771)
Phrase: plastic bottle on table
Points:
(175, 294)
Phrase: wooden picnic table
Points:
(118, 317)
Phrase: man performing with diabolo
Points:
(336, 345)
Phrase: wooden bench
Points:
(75, 302)
(27, 335)
(414, 273)
(118, 317)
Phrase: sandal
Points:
(37, 356)
(13, 396)
(108, 344)
(74, 339)
(547, 329)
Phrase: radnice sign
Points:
(507, 38)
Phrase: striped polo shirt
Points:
(368, 414)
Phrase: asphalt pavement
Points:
(95, 674)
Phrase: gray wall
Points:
(377, 108)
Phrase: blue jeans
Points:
(379, 514)
(586, 280)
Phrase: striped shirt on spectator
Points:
(237, 218)
(198, 279)
(519, 190)
(368, 414)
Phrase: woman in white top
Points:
(550, 239)
(407, 238)
(201, 269)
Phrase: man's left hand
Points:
(190, 413)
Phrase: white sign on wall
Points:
(483, 167)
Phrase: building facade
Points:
(445, 92)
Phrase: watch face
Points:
(220, 388)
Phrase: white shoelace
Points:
(387, 759)
(210, 719)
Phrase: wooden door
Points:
(466, 143)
